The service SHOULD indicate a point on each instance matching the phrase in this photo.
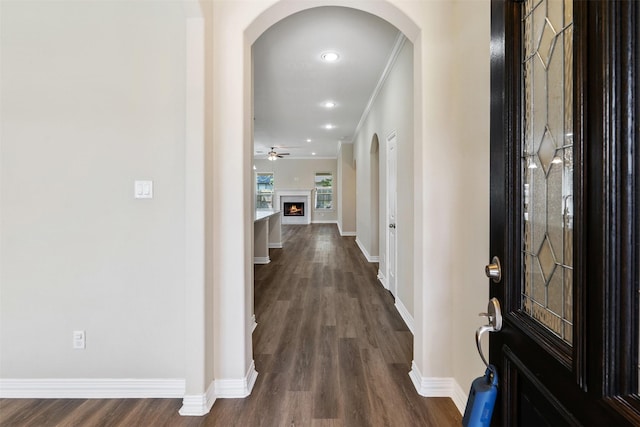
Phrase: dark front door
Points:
(565, 210)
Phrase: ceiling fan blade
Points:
(279, 156)
(283, 154)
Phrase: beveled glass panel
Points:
(555, 290)
(547, 260)
(538, 197)
(538, 101)
(547, 159)
(555, 207)
(556, 95)
(546, 151)
(555, 13)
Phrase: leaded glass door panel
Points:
(564, 210)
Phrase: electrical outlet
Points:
(79, 340)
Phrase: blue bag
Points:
(482, 399)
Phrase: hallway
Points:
(330, 350)
(330, 347)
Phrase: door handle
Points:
(494, 315)
(494, 270)
(392, 226)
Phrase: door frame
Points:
(392, 284)
(604, 358)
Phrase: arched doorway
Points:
(224, 364)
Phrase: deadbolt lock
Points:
(494, 270)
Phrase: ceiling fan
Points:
(272, 155)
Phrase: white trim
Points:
(261, 260)
(254, 324)
(344, 233)
(276, 245)
(366, 254)
(99, 388)
(382, 279)
(459, 397)
(438, 387)
(293, 220)
(237, 388)
(197, 405)
(324, 221)
(404, 313)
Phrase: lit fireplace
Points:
(294, 209)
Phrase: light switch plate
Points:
(143, 189)
(79, 342)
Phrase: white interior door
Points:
(392, 161)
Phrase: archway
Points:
(224, 367)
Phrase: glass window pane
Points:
(324, 190)
(264, 190)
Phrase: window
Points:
(264, 190)
(324, 190)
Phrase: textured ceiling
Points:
(291, 82)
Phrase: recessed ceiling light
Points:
(330, 56)
(308, 140)
(313, 154)
(329, 104)
(329, 126)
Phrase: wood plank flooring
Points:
(330, 350)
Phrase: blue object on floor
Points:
(482, 399)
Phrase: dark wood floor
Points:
(330, 350)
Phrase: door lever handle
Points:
(494, 315)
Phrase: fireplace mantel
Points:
(294, 196)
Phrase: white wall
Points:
(347, 182)
(299, 174)
(470, 235)
(92, 99)
(391, 112)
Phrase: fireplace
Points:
(286, 200)
(293, 209)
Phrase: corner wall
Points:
(347, 183)
(392, 111)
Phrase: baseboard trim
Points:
(200, 404)
(438, 387)
(404, 313)
(276, 245)
(383, 279)
(197, 405)
(254, 324)
(459, 397)
(261, 260)
(237, 388)
(324, 221)
(345, 233)
(99, 388)
(365, 253)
